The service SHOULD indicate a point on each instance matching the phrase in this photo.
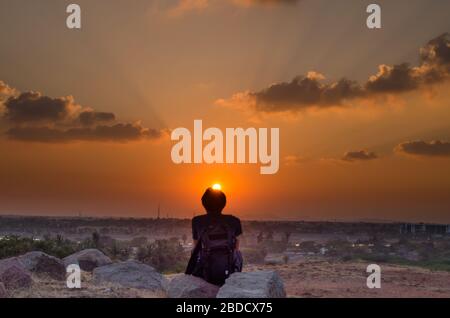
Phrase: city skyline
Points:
(363, 115)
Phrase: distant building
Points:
(422, 228)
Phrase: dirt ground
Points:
(322, 278)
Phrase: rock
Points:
(3, 292)
(87, 259)
(13, 274)
(259, 284)
(187, 286)
(41, 263)
(132, 274)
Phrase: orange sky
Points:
(363, 152)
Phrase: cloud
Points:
(437, 51)
(116, 133)
(5, 92)
(311, 91)
(361, 155)
(304, 92)
(34, 117)
(434, 68)
(34, 107)
(90, 117)
(5, 89)
(393, 79)
(422, 148)
(183, 7)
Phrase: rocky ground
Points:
(323, 278)
(39, 275)
(45, 287)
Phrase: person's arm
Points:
(238, 233)
(194, 234)
(237, 244)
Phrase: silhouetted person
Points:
(216, 253)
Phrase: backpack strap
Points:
(193, 259)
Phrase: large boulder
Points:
(259, 284)
(41, 263)
(87, 259)
(187, 286)
(3, 292)
(132, 274)
(13, 274)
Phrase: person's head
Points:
(214, 201)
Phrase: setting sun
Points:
(217, 186)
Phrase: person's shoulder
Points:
(231, 218)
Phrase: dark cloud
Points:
(88, 118)
(434, 67)
(423, 148)
(437, 51)
(34, 117)
(117, 133)
(310, 91)
(361, 155)
(393, 79)
(34, 107)
(304, 92)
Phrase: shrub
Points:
(167, 256)
(14, 246)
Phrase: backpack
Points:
(217, 258)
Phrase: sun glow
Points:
(217, 187)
